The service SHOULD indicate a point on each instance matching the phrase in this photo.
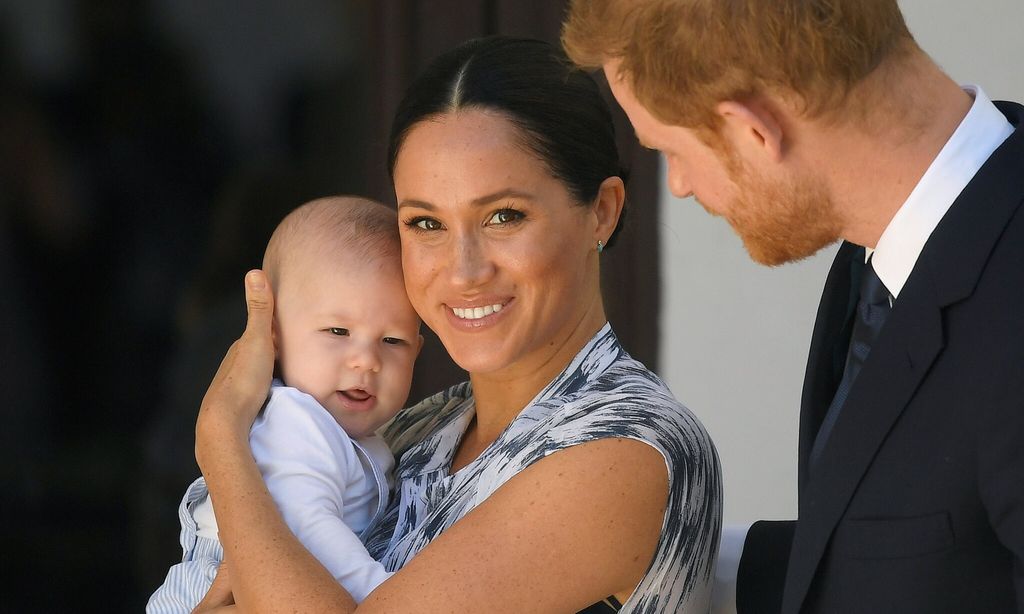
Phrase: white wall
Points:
(735, 334)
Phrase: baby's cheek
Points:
(403, 380)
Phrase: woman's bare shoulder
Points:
(565, 532)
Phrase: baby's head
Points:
(343, 326)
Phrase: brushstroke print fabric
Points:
(602, 393)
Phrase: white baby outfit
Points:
(330, 488)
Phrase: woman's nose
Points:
(469, 264)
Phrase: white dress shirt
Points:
(979, 134)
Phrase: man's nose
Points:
(678, 181)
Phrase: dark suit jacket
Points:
(917, 501)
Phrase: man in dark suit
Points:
(807, 121)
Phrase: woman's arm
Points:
(564, 533)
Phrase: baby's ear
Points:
(277, 350)
(419, 344)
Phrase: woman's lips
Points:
(357, 399)
(477, 316)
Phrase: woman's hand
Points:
(241, 384)
(219, 597)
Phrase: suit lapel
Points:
(947, 272)
(909, 343)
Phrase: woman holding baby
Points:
(563, 476)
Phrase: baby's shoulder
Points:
(288, 404)
(291, 417)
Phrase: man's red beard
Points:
(780, 222)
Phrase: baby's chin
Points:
(359, 429)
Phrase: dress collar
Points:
(436, 450)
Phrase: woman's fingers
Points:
(219, 594)
(259, 301)
(255, 350)
(243, 379)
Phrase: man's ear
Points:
(752, 128)
(611, 196)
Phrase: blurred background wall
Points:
(147, 150)
(735, 334)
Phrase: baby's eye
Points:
(505, 216)
(393, 341)
(341, 332)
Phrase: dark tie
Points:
(872, 309)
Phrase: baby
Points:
(346, 339)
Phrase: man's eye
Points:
(505, 216)
(393, 341)
(341, 332)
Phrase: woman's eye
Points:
(505, 216)
(424, 223)
(393, 341)
(341, 332)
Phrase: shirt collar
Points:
(979, 134)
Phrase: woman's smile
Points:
(479, 315)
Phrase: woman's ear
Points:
(753, 129)
(611, 196)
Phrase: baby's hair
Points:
(332, 227)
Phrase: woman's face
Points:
(499, 260)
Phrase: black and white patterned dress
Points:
(602, 393)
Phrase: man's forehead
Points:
(623, 93)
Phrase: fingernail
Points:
(255, 280)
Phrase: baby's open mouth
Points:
(355, 394)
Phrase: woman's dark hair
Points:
(557, 107)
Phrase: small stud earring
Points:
(600, 246)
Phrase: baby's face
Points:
(348, 336)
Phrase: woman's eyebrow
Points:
(419, 204)
(500, 195)
(476, 202)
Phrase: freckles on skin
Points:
(447, 171)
